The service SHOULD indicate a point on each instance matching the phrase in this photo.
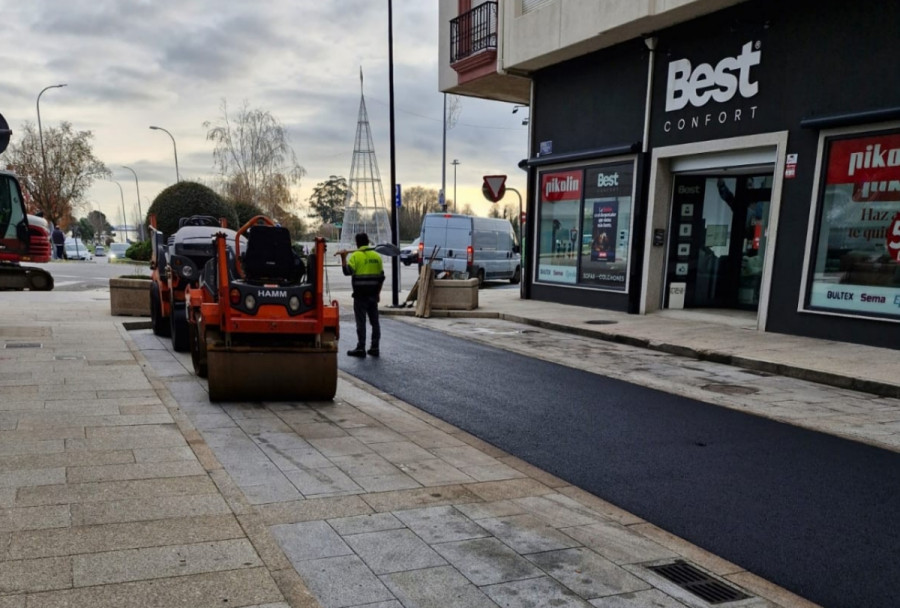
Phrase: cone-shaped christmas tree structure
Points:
(364, 208)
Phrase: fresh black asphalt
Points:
(813, 513)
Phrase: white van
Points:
(485, 248)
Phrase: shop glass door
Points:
(718, 240)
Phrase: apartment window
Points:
(856, 253)
(533, 5)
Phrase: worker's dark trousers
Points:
(366, 306)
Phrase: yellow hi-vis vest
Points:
(367, 271)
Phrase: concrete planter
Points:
(453, 294)
(129, 297)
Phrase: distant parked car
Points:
(117, 251)
(99, 251)
(410, 253)
(78, 251)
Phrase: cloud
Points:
(132, 63)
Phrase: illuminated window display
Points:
(585, 226)
(856, 256)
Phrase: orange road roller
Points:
(259, 328)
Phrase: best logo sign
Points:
(697, 85)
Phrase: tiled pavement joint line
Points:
(288, 581)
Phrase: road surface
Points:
(811, 512)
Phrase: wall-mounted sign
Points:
(790, 166)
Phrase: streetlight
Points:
(41, 131)
(174, 147)
(454, 163)
(140, 213)
(124, 217)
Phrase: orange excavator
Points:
(259, 327)
(23, 237)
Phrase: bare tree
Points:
(508, 211)
(254, 159)
(417, 201)
(71, 169)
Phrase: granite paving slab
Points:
(586, 573)
(162, 562)
(393, 551)
(440, 524)
(487, 561)
(534, 593)
(375, 522)
(527, 534)
(338, 582)
(436, 588)
(309, 540)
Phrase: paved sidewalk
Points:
(121, 485)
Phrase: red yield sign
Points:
(494, 187)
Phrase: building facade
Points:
(708, 155)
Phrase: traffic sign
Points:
(494, 187)
(398, 196)
(5, 133)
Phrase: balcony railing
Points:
(473, 32)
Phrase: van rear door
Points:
(452, 235)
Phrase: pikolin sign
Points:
(696, 86)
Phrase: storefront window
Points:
(585, 226)
(856, 262)
(560, 209)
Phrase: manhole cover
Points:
(23, 345)
(600, 322)
(698, 582)
(730, 389)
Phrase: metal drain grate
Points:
(23, 345)
(698, 582)
(600, 322)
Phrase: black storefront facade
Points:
(761, 172)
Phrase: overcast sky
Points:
(129, 64)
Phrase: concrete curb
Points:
(880, 389)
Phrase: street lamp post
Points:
(443, 200)
(140, 213)
(455, 163)
(174, 147)
(124, 217)
(41, 131)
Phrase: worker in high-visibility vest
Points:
(366, 270)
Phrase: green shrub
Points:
(245, 212)
(139, 251)
(185, 199)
